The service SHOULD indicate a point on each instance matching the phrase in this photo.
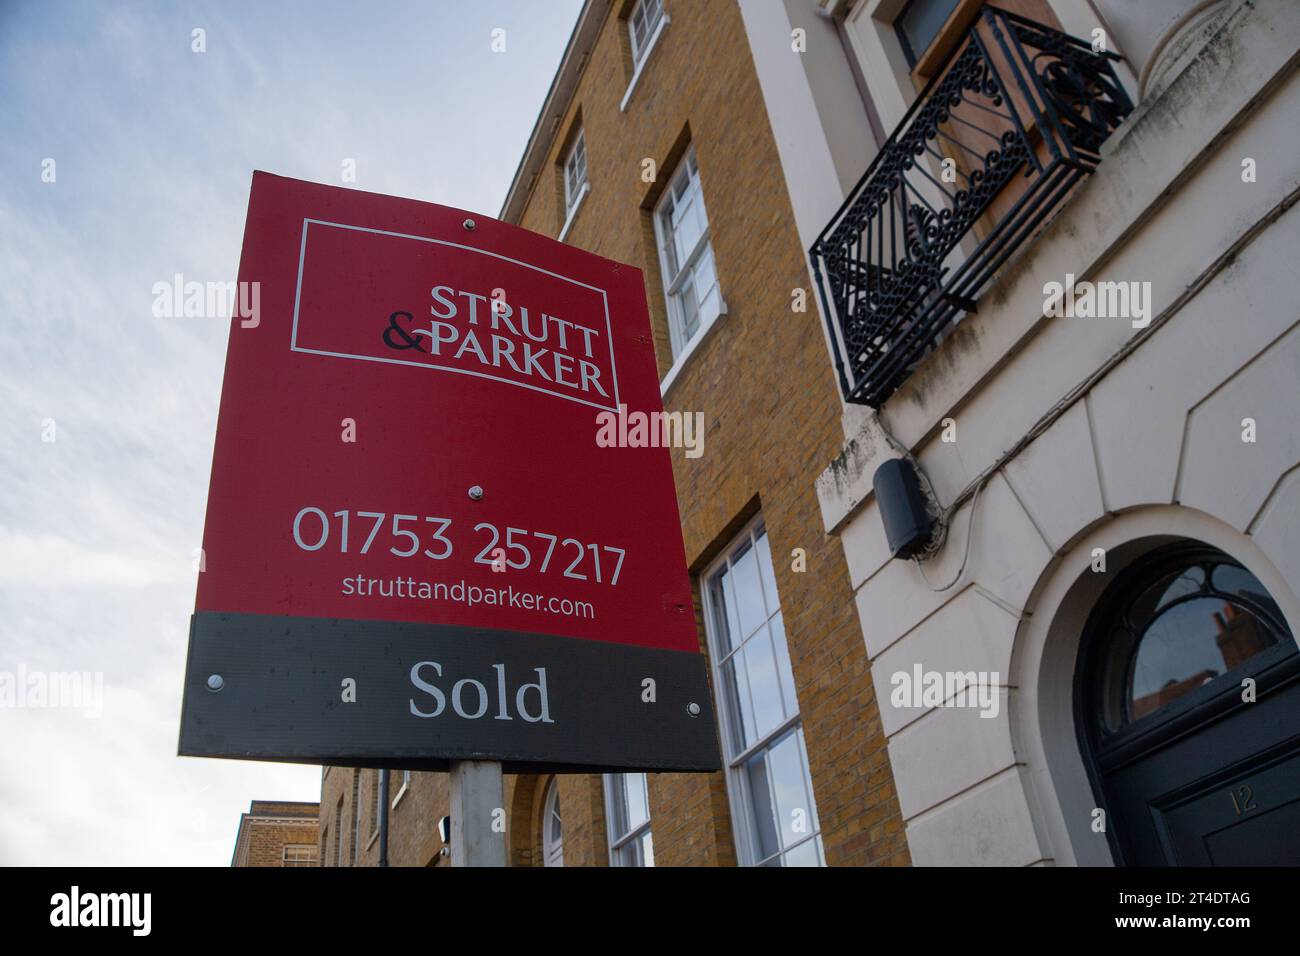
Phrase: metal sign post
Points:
(478, 835)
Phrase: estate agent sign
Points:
(416, 550)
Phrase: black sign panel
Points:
(337, 692)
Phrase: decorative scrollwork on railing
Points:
(938, 211)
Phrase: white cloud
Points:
(52, 561)
(155, 147)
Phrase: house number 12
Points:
(1243, 800)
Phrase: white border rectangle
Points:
(297, 300)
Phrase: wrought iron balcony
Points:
(1010, 123)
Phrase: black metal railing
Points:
(1009, 124)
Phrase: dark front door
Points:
(1189, 710)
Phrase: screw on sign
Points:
(473, 583)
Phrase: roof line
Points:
(555, 105)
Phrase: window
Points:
(641, 24)
(300, 854)
(338, 833)
(401, 791)
(919, 23)
(356, 815)
(627, 810)
(1187, 618)
(552, 827)
(767, 761)
(645, 25)
(378, 805)
(575, 173)
(686, 256)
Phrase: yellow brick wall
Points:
(269, 827)
(765, 384)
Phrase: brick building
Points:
(866, 228)
(653, 148)
(276, 833)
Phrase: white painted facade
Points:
(1139, 431)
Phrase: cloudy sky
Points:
(107, 413)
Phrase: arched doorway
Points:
(552, 826)
(1189, 769)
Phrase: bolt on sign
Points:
(415, 549)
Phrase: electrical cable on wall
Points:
(970, 534)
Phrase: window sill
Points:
(692, 346)
(573, 211)
(645, 58)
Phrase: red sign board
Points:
(408, 433)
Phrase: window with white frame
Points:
(770, 787)
(686, 256)
(338, 833)
(552, 827)
(627, 812)
(641, 24)
(300, 854)
(575, 172)
(356, 816)
(401, 791)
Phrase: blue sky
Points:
(153, 147)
